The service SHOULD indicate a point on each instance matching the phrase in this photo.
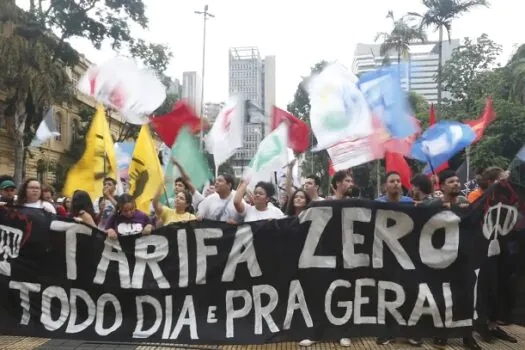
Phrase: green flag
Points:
(271, 156)
(186, 151)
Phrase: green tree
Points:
(440, 14)
(517, 74)
(314, 162)
(97, 21)
(460, 75)
(35, 54)
(32, 81)
(399, 39)
(469, 77)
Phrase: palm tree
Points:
(32, 82)
(440, 14)
(400, 38)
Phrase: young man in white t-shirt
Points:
(219, 205)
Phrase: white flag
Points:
(339, 110)
(121, 84)
(271, 156)
(350, 153)
(226, 135)
(46, 130)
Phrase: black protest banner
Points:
(342, 269)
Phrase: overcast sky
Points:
(300, 33)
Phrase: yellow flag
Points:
(145, 172)
(97, 162)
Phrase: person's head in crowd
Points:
(312, 185)
(126, 205)
(224, 184)
(29, 192)
(298, 202)
(183, 200)
(262, 194)
(479, 175)
(481, 182)
(48, 193)
(492, 175)
(342, 182)
(7, 189)
(110, 186)
(81, 201)
(209, 190)
(180, 185)
(393, 187)
(421, 187)
(66, 203)
(449, 184)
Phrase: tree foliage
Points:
(31, 78)
(460, 75)
(34, 55)
(471, 76)
(517, 75)
(402, 35)
(440, 14)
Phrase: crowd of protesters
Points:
(224, 201)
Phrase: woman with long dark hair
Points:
(297, 203)
(82, 208)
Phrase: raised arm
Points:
(238, 202)
(184, 175)
(288, 183)
(156, 200)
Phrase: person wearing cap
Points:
(7, 189)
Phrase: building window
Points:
(58, 121)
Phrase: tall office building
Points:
(268, 87)
(191, 90)
(253, 78)
(175, 87)
(420, 77)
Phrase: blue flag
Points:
(441, 142)
(382, 90)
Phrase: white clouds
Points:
(299, 33)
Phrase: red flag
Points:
(298, 131)
(396, 162)
(479, 125)
(432, 118)
(168, 126)
(331, 170)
